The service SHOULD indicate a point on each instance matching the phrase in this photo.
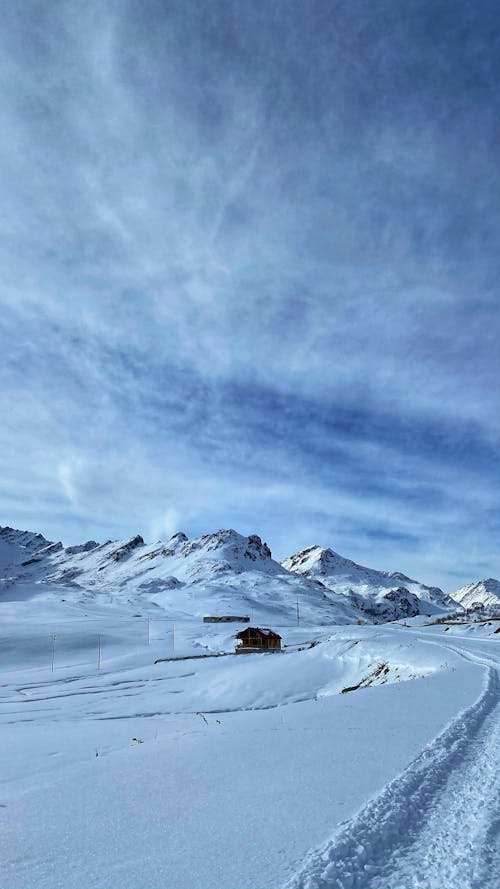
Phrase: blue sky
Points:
(249, 269)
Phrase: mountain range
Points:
(223, 572)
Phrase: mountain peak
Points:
(124, 550)
(174, 543)
(232, 547)
(30, 540)
(481, 592)
(81, 548)
(344, 576)
(315, 560)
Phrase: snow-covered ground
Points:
(250, 770)
(140, 751)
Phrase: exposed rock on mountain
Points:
(483, 592)
(82, 547)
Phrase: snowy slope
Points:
(483, 592)
(24, 557)
(207, 774)
(384, 594)
(18, 547)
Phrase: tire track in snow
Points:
(435, 826)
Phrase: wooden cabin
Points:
(257, 639)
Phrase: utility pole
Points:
(99, 653)
(54, 637)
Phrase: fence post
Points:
(54, 637)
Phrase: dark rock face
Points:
(174, 544)
(32, 561)
(126, 549)
(256, 549)
(406, 603)
(159, 586)
(180, 537)
(392, 605)
(82, 547)
(298, 559)
(50, 550)
(70, 574)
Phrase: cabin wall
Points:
(256, 641)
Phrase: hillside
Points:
(483, 592)
(380, 593)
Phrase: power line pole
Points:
(54, 637)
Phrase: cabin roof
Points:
(263, 631)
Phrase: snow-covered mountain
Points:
(483, 592)
(21, 555)
(380, 593)
(224, 572)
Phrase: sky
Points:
(249, 275)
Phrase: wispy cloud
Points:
(249, 275)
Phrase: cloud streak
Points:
(249, 275)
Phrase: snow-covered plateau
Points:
(140, 751)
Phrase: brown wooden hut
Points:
(257, 639)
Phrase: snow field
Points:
(243, 758)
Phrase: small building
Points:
(257, 639)
(225, 618)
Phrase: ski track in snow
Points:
(447, 800)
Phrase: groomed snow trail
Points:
(436, 826)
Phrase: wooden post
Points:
(99, 652)
(54, 637)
